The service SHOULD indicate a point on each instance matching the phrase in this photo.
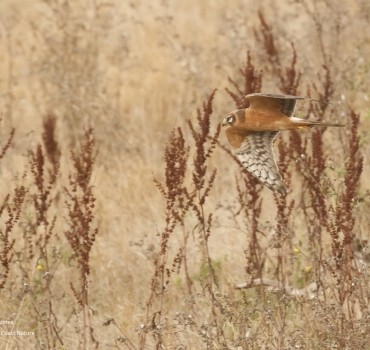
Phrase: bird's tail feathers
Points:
(311, 123)
(319, 101)
(306, 123)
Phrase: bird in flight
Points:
(251, 132)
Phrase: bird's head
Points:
(234, 118)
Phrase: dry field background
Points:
(110, 81)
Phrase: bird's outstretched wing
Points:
(257, 156)
(283, 103)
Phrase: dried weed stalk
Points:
(10, 211)
(266, 36)
(282, 240)
(177, 205)
(51, 145)
(249, 189)
(39, 232)
(42, 199)
(342, 224)
(82, 230)
(202, 184)
(8, 143)
(252, 82)
(179, 199)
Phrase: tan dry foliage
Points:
(134, 70)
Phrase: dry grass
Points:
(124, 220)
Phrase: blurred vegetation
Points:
(125, 221)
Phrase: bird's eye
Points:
(230, 119)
